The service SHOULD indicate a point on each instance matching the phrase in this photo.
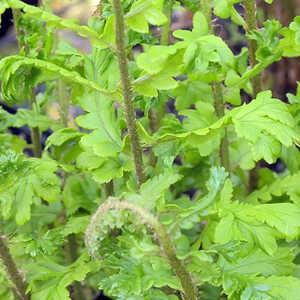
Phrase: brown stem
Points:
(12, 270)
(109, 189)
(127, 93)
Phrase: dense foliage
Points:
(104, 204)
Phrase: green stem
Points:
(12, 270)
(220, 112)
(153, 125)
(128, 94)
(71, 251)
(63, 100)
(218, 96)
(35, 131)
(166, 29)
(250, 18)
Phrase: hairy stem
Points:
(63, 100)
(250, 18)
(166, 29)
(128, 94)
(35, 131)
(218, 95)
(219, 107)
(153, 125)
(188, 286)
(12, 270)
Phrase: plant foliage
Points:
(81, 218)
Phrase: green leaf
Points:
(200, 26)
(11, 142)
(282, 185)
(282, 216)
(189, 92)
(190, 215)
(105, 140)
(280, 287)
(143, 12)
(267, 40)
(264, 123)
(49, 280)
(295, 26)
(79, 192)
(10, 65)
(24, 182)
(208, 56)
(154, 188)
(258, 262)
(104, 169)
(159, 64)
(59, 137)
(76, 225)
(34, 119)
(290, 44)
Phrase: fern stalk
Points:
(35, 131)
(128, 93)
(12, 270)
(219, 107)
(218, 95)
(250, 18)
(166, 29)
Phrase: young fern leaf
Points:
(99, 228)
